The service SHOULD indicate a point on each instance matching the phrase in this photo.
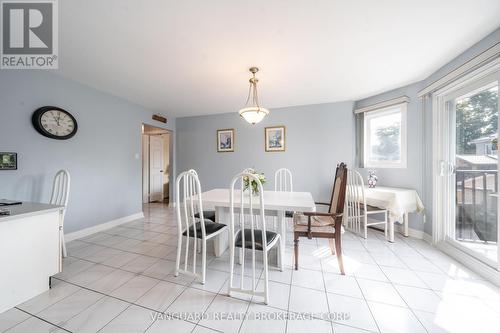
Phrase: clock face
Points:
(54, 123)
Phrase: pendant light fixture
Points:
(253, 112)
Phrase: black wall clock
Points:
(54, 123)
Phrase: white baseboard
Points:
(414, 233)
(103, 226)
(428, 238)
(419, 234)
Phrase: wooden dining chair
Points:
(60, 196)
(249, 235)
(190, 226)
(324, 225)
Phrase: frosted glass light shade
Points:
(253, 114)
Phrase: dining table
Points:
(276, 203)
(398, 201)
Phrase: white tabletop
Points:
(280, 201)
(27, 209)
(398, 201)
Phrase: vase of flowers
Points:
(372, 178)
(252, 183)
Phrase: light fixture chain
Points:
(249, 93)
(252, 112)
(256, 96)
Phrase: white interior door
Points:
(145, 168)
(155, 168)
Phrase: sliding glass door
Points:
(471, 115)
(476, 170)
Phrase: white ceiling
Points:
(191, 57)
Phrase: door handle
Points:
(446, 168)
(161, 170)
(442, 167)
(452, 169)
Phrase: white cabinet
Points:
(30, 251)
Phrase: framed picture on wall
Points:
(8, 161)
(225, 140)
(275, 138)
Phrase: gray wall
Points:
(411, 176)
(106, 176)
(418, 175)
(317, 138)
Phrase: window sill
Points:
(385, 166)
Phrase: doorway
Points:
(156, 164)
(467, 180)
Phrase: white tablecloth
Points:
(275, 203)
(398, 201)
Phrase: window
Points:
(385, 137)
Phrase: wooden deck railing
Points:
(476, 203)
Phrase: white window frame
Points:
(393, 109)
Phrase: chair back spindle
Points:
(60, 188)
(283, 181)
(355, 199)
(246, 205)
(60, 197)
(357, 208)
(189, 203)
(339, 190)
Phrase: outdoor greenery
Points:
(477, 116)
(388, 147)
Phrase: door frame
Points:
(442, 172)
(170, 168)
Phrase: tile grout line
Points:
(370, 253)
(289, 297)
(210, 261)
(80, 312)
(326, 293)
(393, 286)
(42, 319)
(123, 300)
(413, 270)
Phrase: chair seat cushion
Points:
(210, 228)
(316, 221)
(207, 214)
(323, 224)
(270, 236)
(326, 229)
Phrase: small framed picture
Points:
(8, 161)
(275, 138)
(225, 140)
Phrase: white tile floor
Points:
(120, 280)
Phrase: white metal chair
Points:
(283, 180)
(357, 209)
(249, 236)
(207, 214)
(190, 226)
(60, 196)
